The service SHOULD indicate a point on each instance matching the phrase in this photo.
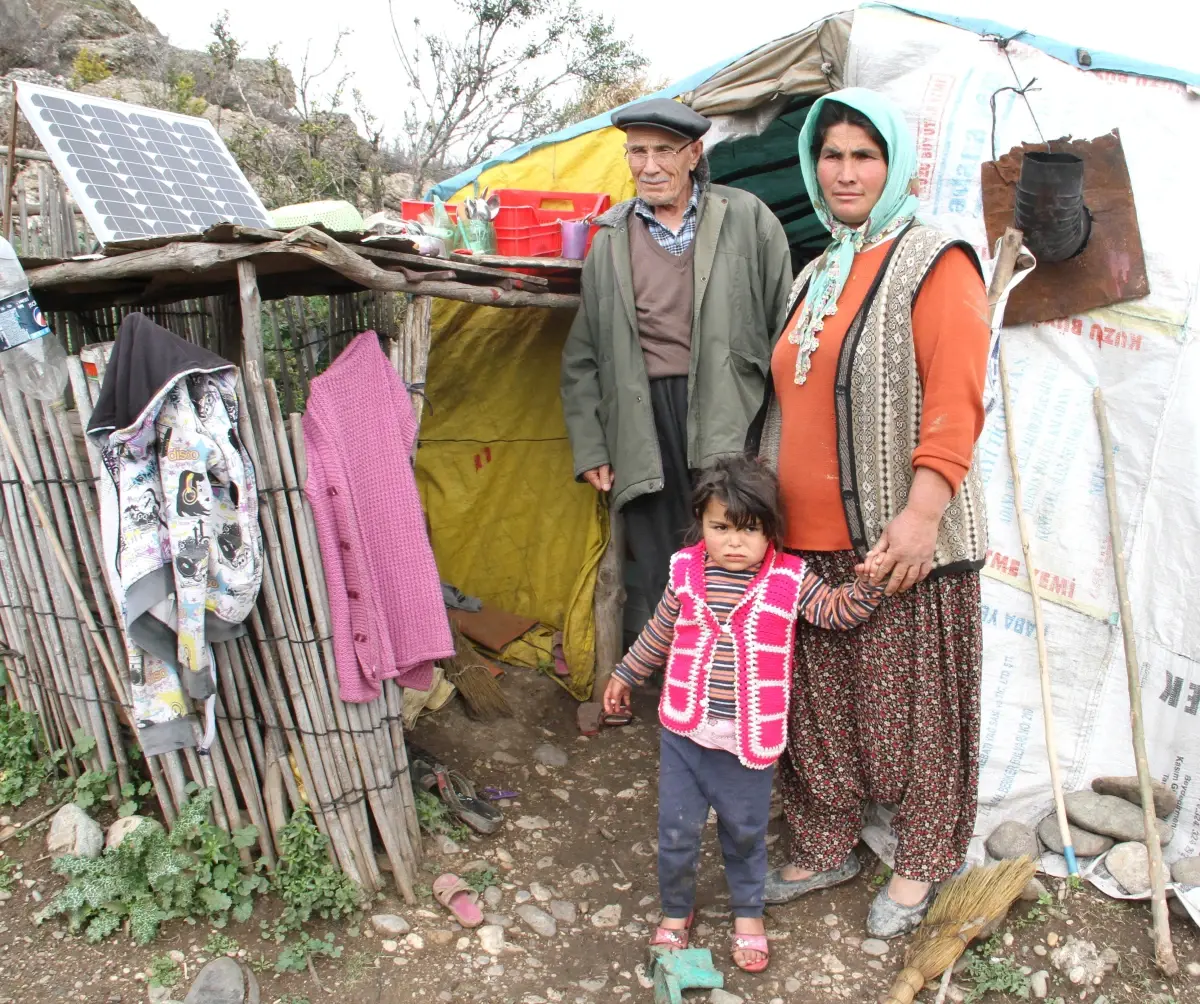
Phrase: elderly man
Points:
(665, 366)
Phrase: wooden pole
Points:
(10, 175)
(1164, 952)
(1006, 261)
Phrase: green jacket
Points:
(743, 271)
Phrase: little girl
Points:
(723, 633)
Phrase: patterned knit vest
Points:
(877, 401)
(763, 629)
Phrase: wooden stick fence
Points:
(283, 736)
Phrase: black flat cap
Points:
(663, 113)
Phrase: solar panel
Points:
(139, 172)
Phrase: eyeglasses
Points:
(639, 156)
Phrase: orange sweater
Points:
(951, 335)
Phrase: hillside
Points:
(106, 47)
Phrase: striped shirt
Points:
(839, 609)
(675, 243)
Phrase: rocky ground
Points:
(576, 900)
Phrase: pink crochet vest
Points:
(763, 626)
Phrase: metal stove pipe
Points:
(1049, 209)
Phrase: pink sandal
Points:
(750, 943)
(459, 898)
(667, 937)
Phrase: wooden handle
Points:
(908, 983)
(1164, 951)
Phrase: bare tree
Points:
(501, 79)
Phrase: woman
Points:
(875, 404)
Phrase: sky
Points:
(679, 38)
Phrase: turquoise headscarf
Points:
(895, 208)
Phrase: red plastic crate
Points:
(541, 241)
(550, 206)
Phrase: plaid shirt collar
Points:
(675, 243)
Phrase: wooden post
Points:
(414, 350)
(251, 304)
(609, 603)
(1164, 953)
(10, 175)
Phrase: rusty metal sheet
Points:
(1112, 267)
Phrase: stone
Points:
(498, 920)
(1129, 864)
(1039, 950)
(833, 964)
(492, 896)
(223, 981)
(1128, 788)
(176, 956)
(563, 911)
(1110, 816)
(831, 920)
(158, 995)
(1034, 890)
(873, 946)
(491, 938)
(415, 942)
(1193, 969)
(561, 793)
(1012, 840)
(1186, 871)
(955, 994)
(537, 920)
(74, 832)
(388, 945)
(550, 755)
(820, 980)
(540, 892)
(533, 823)
(522, 897)
(123, 827)
(505, 758)
(1039, 984)
(607, 916)
(442, 938)
(1110, 957)
(445, 845)
(793, 985)
(1087, 845)
(1079, 959)
(389, 924)
(585, 875)
(724, 997)
(594, 986)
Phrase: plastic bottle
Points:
(29, 351)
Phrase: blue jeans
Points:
(691, 778)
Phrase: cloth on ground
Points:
(385, 595)
(179, 514)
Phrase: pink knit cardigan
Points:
(385, 596)
(763, 629)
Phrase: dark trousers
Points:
(690, 779)
(655, 524)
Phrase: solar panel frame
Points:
(139, 172)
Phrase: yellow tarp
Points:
(593, 162)
(508, 522)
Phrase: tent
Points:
(509, 525)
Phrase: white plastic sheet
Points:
(1143, 355)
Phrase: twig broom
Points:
(481, 693)
(964, 908)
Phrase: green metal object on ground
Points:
(675, 970)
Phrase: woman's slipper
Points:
(777, 889)
(750, 943)
(459, 898)
(670, 937)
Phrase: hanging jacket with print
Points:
(179, 509)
